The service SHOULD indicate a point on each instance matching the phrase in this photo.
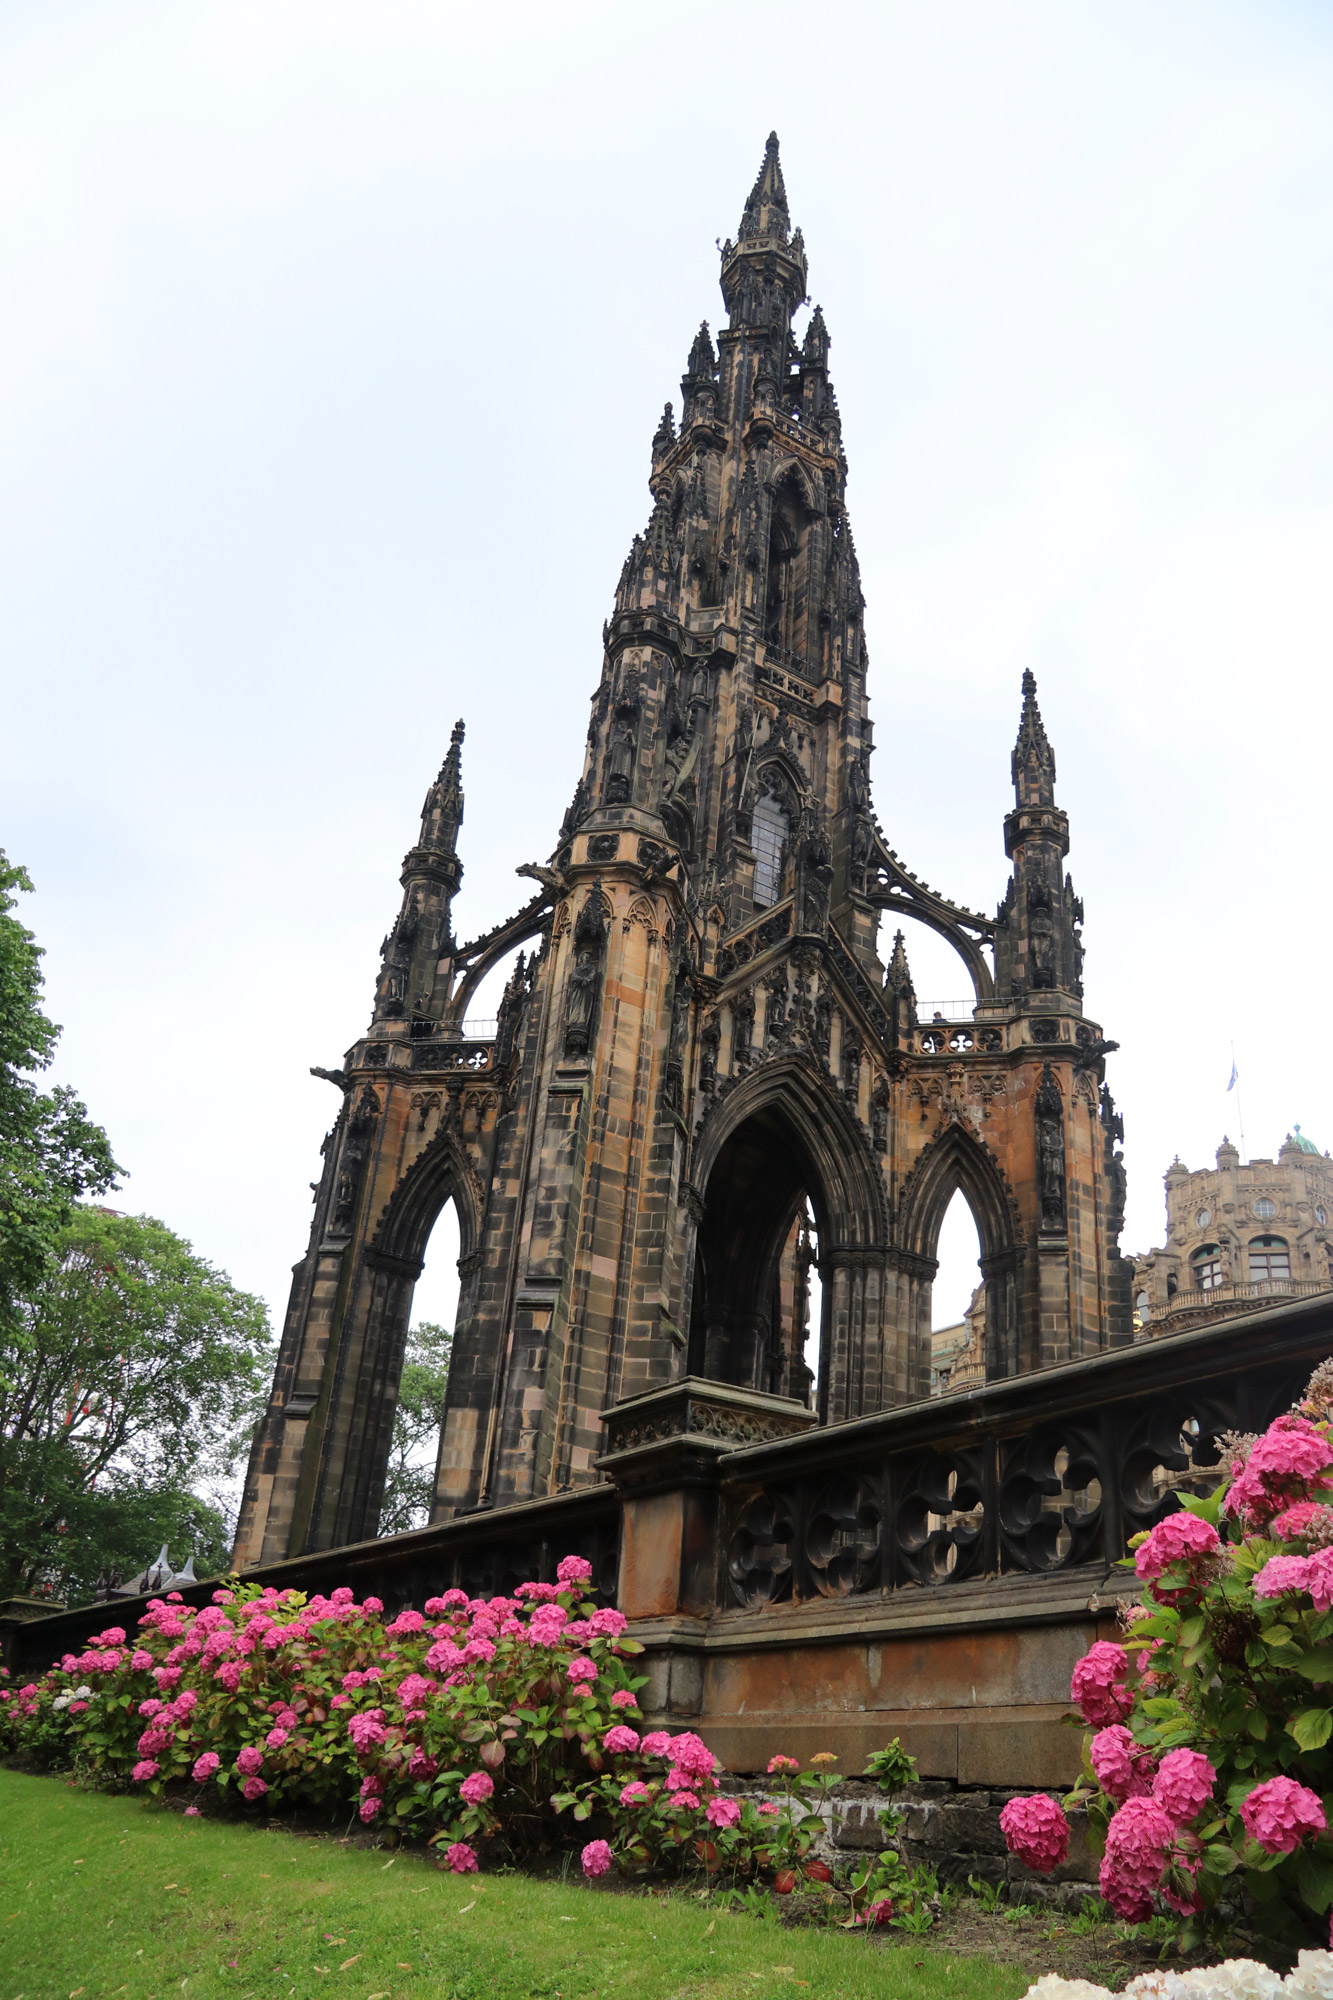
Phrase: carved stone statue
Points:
(1050, 1116)
(742, 1011)
(816, 877)
(585, 977)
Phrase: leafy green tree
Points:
(130, 1375)
(409, 1485)
(51, 1154)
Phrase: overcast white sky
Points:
(333, 340)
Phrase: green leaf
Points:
(1219, 1859)
(1192, 1630)
(1315, 1878)
(1257, 1724)
(1316, 1665)
(1311, 1727)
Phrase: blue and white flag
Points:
(1232, 1084)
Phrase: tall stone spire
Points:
(704, 1037)
(1033, 761)
(1038, 947)
(766, 212)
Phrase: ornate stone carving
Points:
(1050, 1116)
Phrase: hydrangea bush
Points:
(1208, 1766)
(495, 1727)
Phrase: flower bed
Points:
(1208, 1768)
(498, 1728)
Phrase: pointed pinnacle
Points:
(768, 192)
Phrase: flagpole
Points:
(1240, 1113)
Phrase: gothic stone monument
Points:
(703, 1038)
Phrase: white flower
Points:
(1237, 1979)
(1052, 1987)
(1313, 1977)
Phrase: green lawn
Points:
(102, 1896)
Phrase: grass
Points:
(104, 1896)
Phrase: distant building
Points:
(958, 1353)
(1237, 1235)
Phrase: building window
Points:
(1270, 1261)
(769, 838)
(1206, 1265)
(1265, 1209)
(1203, 1218)
(1142, 1309)
(1321, 1216)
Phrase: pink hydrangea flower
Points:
(1183, 1785)
(369, 1807)
(1320, 1580)
(782, 1763)
(421, 1765)
(141, 1660)
(635, 1793)
(460, 1859)
(253, 1788)
(277, 1737)
(1098, 1684)
(1124, 1771)
(373, 1606)
(656, 1743)
(1293, 1524)
(574, 1569)
(1290, 1458)
(145, 1769)
(879, 1912)
(191, 1812)
(608, 1624)
(581, 1669)
(685, 1800)
(1180, 1540)
(366, 1730)
(597, 1854)
(1138, 1842)
(153, 1740)
(1281, 1574)
(476, 1788)
(1280, 1813)
(229, 1675)
(723, 1812)
(1036, 1830)
(620, 1739)
(249, 1760)
(689, 1753)
(624, 1698)
(205, 1766)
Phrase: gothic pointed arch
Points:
(959, 1161)
(440, 1173)
(799, 1094)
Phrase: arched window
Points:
(1142, 1309)
(1206, 1267)
(1270, 1261)
(769, 833)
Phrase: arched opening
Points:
(957, 1303)
(414, 1447)
(958, 1163)
(757, 1303)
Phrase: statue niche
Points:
(585, 978)
(1050, 1116)
(787, 591)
